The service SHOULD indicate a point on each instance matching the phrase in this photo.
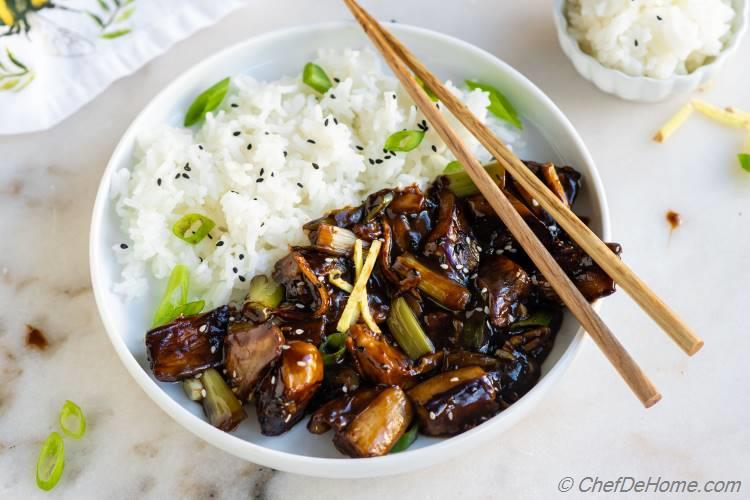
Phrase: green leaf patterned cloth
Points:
(55, 56)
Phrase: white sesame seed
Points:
(202, 328)
(499, 252)
(299, 331)
(234, 390)
(234, 374)
(450, 415)
(199, 375)
(299, 306)
(454, 379)
(534, 202)
(285, 347)
(468, 240)
(479, 309)
(329, 259)
(444, 266)
(231, 318)
(344, 389)
(203, 392)
(459, 267)
(432, 415)
(474, 276)
(273, 379)
(479, 249)
(508, 246)
(288, 418)
(301, 363)
(484, 290)
(213, 349)
(486, 310)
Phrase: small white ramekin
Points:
(641, 88)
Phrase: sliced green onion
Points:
(404, 140)
(189, 309)
(472, 335)
(461, 184)
(499, 106)
(405, 328)
(49, 466)
(541, 317)
(333, 348)
(207, 101)
(265, 292)
(453, 167)
(192, 228)
(178, 279)
(744, 161)
(72, 421)
(427, 90)
(406, 440)
(315, 77)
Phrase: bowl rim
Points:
(561, 23)
(318, 466)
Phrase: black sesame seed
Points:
(659, 18)
(360, 148)
(372, 162)
(185, 176)
(272, 174)
(200, 259)
(378, 161)
(261, 171)
(187, 167)
(333, 96)
(394, 96)
(262, 224)
(236, 133)
(234, 269)
(242, 256)
(387, 157)
(177, 176)
(285, 153)
(636, 42)
(200, 147)
(209, 236)
(242, 278)
(335, 120)
(311, 141)
(220, 243)
(158, 181)
(124, 246)
(259, 179)
(315, 166)
(249, 147)
(325, 123)
(434, 148)
(336, 80)
(385, 151)
(300, 184)
(235, 105)
(267, 133)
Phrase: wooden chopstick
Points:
(566, 290)
(659, 311)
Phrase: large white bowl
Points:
(548, 136)
(643, 88)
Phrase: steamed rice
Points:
(305, 149)
(656, 38)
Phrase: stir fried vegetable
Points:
(407, 331)
(404, 140)
(222, 407)
(316, 78)
(461, 184)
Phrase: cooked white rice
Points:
(656, 38)
(256, 221)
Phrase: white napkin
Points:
(57, 56)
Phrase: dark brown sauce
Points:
(35, 338)
(674, 219)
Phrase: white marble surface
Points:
(589, 425)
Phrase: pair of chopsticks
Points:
(404, 64)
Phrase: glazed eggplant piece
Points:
(507, 285)
(376, 359)
(338, 380)
(188, 345)
(338, 413)
(250, 349)
(454, 401)
(221, 406)
(374, 430)
(288, 387)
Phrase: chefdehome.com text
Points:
(651, 484)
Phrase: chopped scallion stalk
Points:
(193, 388)
(189, 309)
(192, 228)
(405, 328)
(49, 466)
(404, 140)
(220, 405)
(265, 291)
(472, 335)
(426, 89)
(461, 184)
(207, 101)
(333, 348)
(315, 77)
(437, 285)
(349, 316)
(178, 279)
(541, 317)
(499, 106)
(72, 420)
(334, 277)
(335, 238)
(406, 440)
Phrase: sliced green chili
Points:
(499, 106)
(333, 348)
(178, 279)
(744, 161)
(207, 101)
(404, 140)
(315, 77)
(72, 420)
(192, 228)
(406, 440)
(49, 466)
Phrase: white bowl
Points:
(642, 88)
(548, 135)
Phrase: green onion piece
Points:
(499, 106)
(404, 140)
(72, 421)
(165, 312)
(192, 228)
(472, 335)
(315, 77)
(405, 328)
(461, 184)
(427, 90)
(333, 348)
(207, 101)
(189, 309)
(220, 405)
(541, 317)
(744, 161)
(406, 440)
(265, 292)
(378, 209)
(453, 167)
(49, 466)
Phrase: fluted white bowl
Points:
(643, 88)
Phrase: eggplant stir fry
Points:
(415, 312)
